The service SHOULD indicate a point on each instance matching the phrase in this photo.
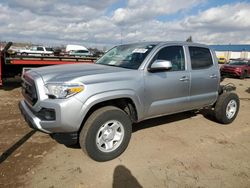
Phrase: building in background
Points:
(232, 51)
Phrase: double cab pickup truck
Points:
(95, 105)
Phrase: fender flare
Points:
(111, 95)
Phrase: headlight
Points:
(63, 90)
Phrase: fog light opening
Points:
(47, 114)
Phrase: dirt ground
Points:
(183, 150)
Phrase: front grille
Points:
(29, 90)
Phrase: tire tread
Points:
(83, 137)
(221, 104)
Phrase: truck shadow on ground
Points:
(206, 113)
(15, 146)
(123, 178)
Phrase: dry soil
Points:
(183, 150)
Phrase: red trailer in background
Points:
(13, 65)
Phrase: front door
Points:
(167, 92)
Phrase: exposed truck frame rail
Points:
(12, 65)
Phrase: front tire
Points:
(106, 133)
(227, 107)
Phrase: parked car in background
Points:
(73, 47)
(77, 51)
(222, 60)
(80, 53)
(238, 67)
(37, 50)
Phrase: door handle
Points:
(184, 78)
(213, 76)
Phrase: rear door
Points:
(205, 77)
(167, 92)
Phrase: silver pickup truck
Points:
(95, 105)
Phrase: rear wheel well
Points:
(125, 104)
(244, 74)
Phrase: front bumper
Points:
(68, 138)
(68, 117)
(230, 73)
(33, 121)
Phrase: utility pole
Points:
(121, 36)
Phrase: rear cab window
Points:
(201, 58)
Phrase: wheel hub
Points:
(110, 136)
(231, 109)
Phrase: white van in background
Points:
(77, 51)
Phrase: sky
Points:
(105, 23)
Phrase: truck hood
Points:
(84, 72)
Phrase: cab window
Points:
(174, 54)
(200, 58)
(39, 48)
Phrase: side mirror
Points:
(160, 65)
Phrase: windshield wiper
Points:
(108, 65)
(125, 67)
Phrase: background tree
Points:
(189, 39)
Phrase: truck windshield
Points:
(126, 56)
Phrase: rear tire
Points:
(227, 107)
(106, 133)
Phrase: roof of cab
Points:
(159, 43)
